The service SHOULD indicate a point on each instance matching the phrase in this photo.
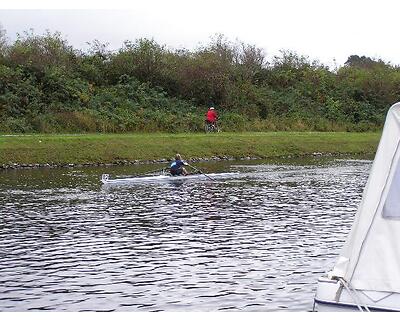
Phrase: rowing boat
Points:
(105, 178)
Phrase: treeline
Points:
(46, 85)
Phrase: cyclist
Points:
(211, 117)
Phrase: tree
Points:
(38, 52)
(141, 59)
(363, 62)
(94, 64)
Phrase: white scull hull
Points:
(160, 178)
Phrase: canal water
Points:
(254, 241)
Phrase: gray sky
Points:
(321, 29)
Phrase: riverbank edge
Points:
(55, 151)
(14, 166)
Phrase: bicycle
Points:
(211, 127)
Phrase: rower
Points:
(177, 166)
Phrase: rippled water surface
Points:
(256, 241)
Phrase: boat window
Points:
(391, 208)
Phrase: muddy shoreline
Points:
(14, 166)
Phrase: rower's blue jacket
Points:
(177, 164)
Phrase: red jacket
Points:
(211, 116)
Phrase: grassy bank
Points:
(108, 148)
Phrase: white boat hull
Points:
(331, 296)
(161, 178)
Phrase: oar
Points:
(200, 172)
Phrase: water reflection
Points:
(257, 241)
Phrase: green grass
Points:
(107, 148)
